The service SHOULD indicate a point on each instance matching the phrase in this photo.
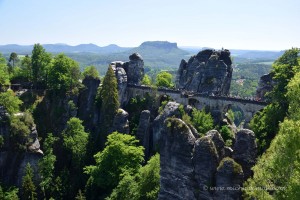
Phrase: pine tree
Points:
(28, 187)
(110, 100)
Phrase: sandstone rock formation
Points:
(86, 101)
(121, 123)
(196, 168)
(171, 109)
(208, 72)
(205, 161)
(121, 76)
(176, 171)
(229, 179)
(131, 72)
(265, 84)
(143, 132)
(245, 150)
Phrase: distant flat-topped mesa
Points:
(160, 44)
(208, 72)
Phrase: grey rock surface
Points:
(171, 109)
(121, 123)
(205, 161)
(121, 76)
(229, 179)
(208, 72)
(176, 152)
(245, 150)
(135, 70)
(143, 131)
(265, 84)
(216, 137)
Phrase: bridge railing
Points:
(189, 94)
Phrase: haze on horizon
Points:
(233, 24)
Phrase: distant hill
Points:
(58, 48)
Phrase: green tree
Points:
(91, 72)
(202, 121)
(40, 62)
(164, 79)
(141, 186)
(146, 80)
(110, 99)
(293, 91)
(265, 124)
(120, 155)
(64, 74)
(75, 140)
(10, 194)
(46, 167)
(10, 101)
(28, 187)
(279, 167)
(26, 67)
(13, 58)
(4, 76)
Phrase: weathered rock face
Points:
(171, 109)
(143, 133)
(229, 178)
(193, 168)
(245, 150)
(131, 72)
(266, 84)
(205, 161)
(86, 101)
(208, 72)
(176, 152)
(4, 127)
(121, 76)
(121, 123)
(218, 141)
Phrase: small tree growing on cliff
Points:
(109, 98)
(28, 187)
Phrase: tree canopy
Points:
(164, 79)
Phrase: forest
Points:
(84, 156)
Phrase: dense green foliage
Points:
(40, 61)
(143, 185)
(146, 80)
(28, 187)
(91, 71)
(75, 140)
(202, 121)
(10, 194)
(64, 74)
(46, 167)
(164, 79)
(109, 99)
(120, 155)
(10, 101)
(265, 123)
(4, 76)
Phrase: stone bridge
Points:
(218, 105)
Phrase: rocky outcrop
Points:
(229, 179)
(171, 109)
(265, 85)
(208, 72)
(131, 72)
(86, 101)
(135, 69)
(121, 123)
(121, 76)
(205, 161)
(143, 133)
(245, 151)
(193, 168)
(176, 153)
(218, 141)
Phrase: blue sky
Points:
(233, 24)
